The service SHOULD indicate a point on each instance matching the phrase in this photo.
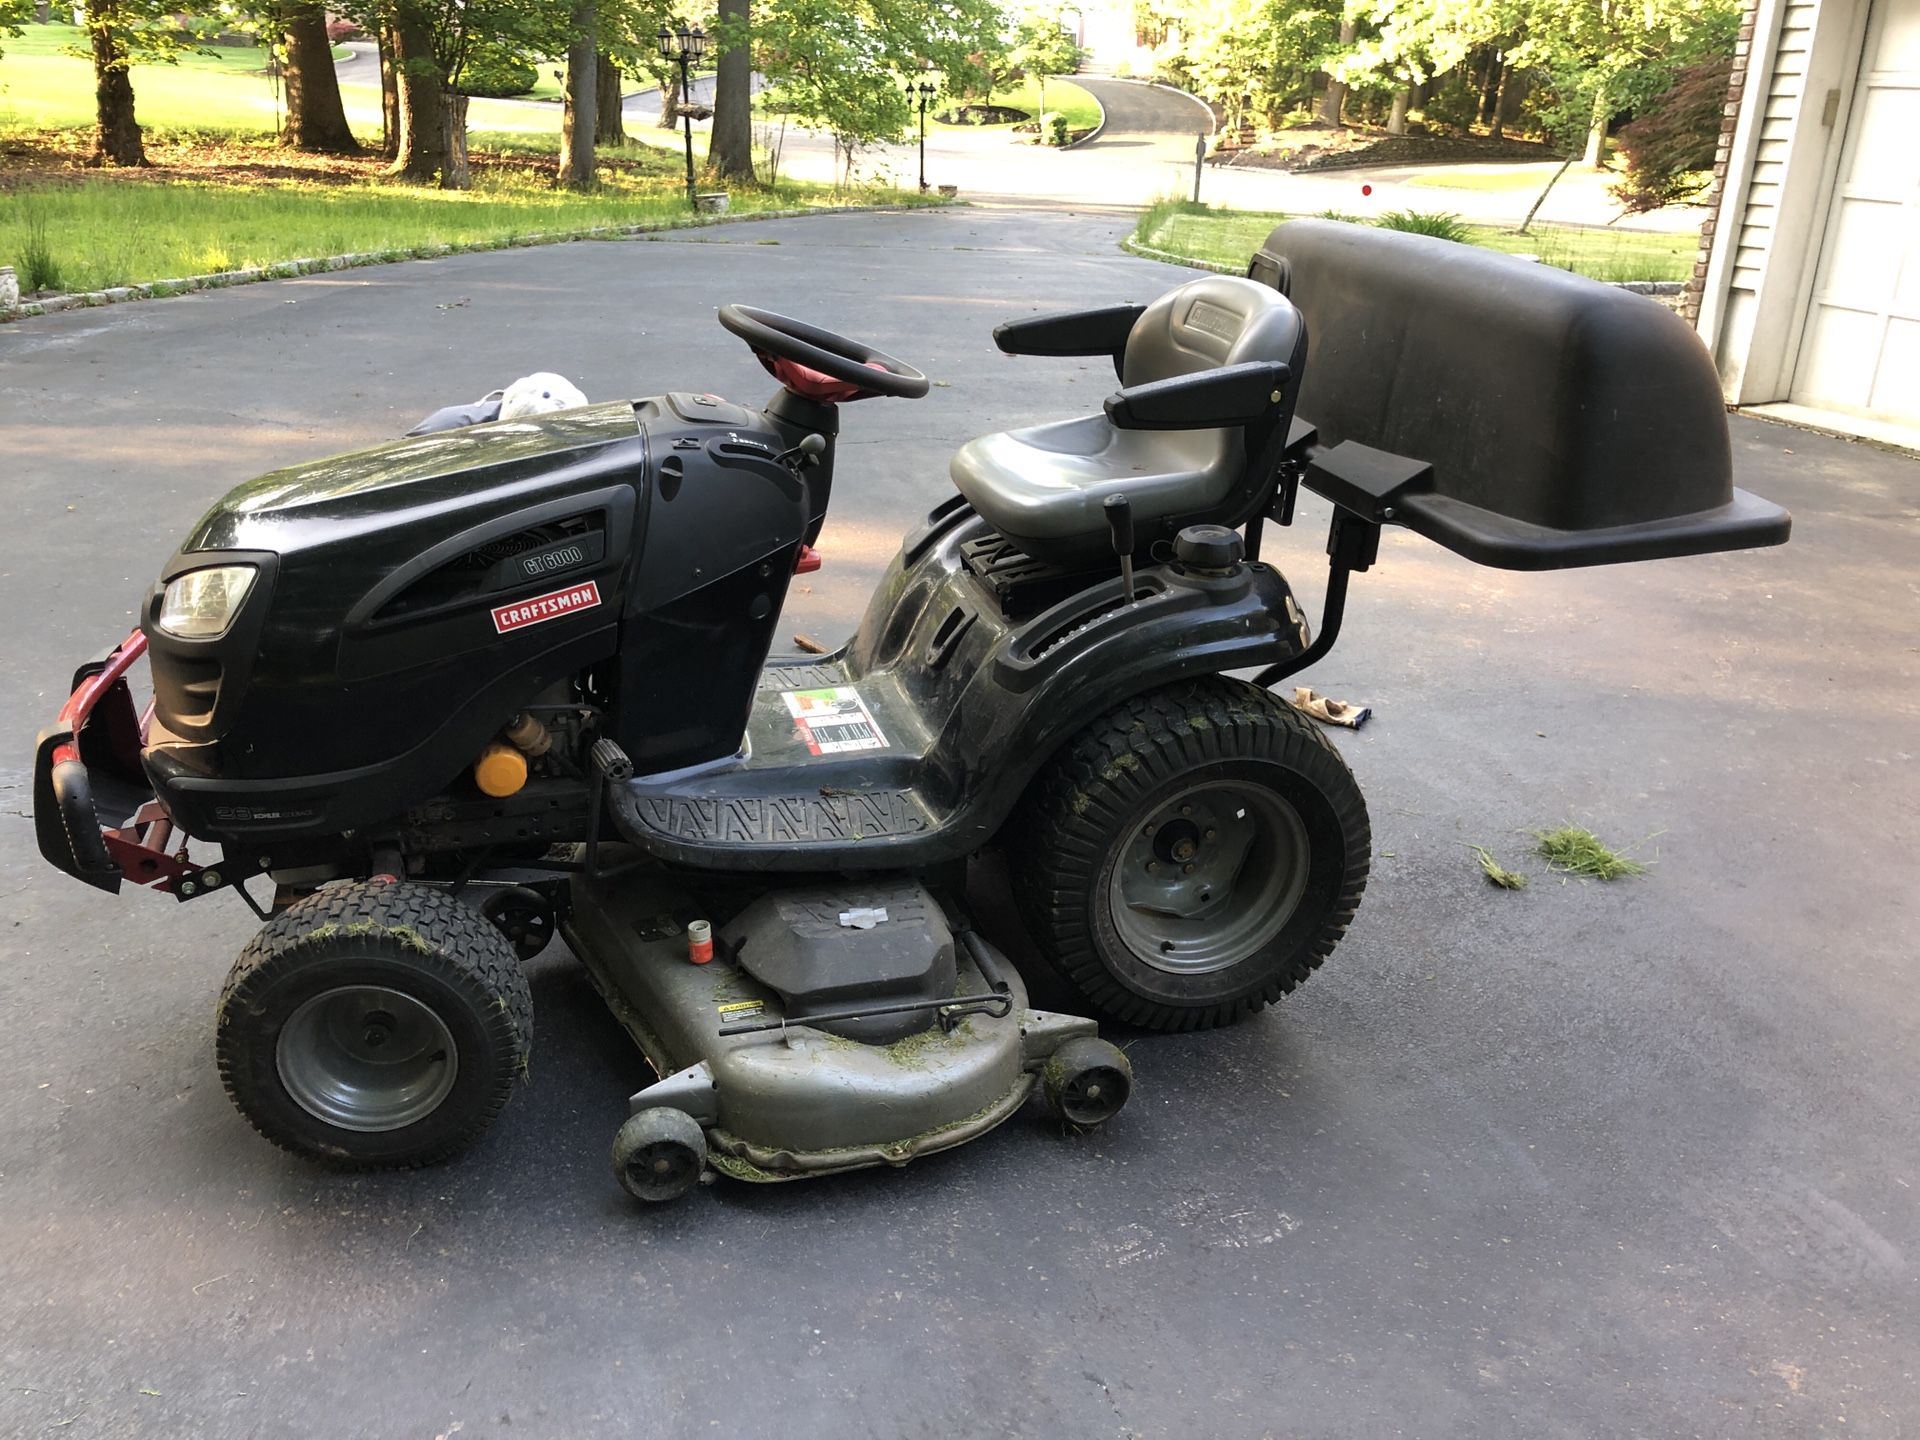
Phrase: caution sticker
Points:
(740, 1010)
(833, 721)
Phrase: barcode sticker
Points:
(833, 722)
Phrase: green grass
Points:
(1229, 237)
(105, 232)
(1065, 97)
(223, 93)
(1496, 873)
(1571, 850)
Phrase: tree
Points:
(316, 120)
(580, 120)
(1671, 143)
(730, 145)
(14, 13)
(838, 66)
(431, 43)
(1042, 46)
(117, 33)
(610, 125)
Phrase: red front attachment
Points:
(100, 728)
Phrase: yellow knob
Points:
(500, 771)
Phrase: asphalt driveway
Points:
(1630, 1159)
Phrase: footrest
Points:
(776, 821)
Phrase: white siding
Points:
(1785, 88)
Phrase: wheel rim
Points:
(662, 1170)
(1093, 1095)
(1209, 877)
(367, 1058)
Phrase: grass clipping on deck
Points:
(1571, 850)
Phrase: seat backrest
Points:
(1217, 320)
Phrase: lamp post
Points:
(685, 46)
(924, 93)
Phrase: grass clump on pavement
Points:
(1229, 237)
(1497, 873)
(1572, 850)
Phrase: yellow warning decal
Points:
(740, 1009)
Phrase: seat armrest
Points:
(1075, 332)
(1205, 400)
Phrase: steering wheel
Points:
(814, 355)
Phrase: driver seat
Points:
(1165, 446)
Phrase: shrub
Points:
(338, 30)
(1053, 128)
(1670, 146)
(1439, 224)
(496, 73)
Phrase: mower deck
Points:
(792, 1100)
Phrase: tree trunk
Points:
(610, 123)
(1541, 198)
(670, 102)
(1513, 95)
(116, 139)
(316, 120)
(454, 171)
(1397, 121)
(580, 113)
(1335, 97)
(1489, 83)
(43, 11)
(389, 96)
(730, 146)
(1596, 154)
(1498, 122)
(423, 110)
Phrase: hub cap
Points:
(366, 1058)
(1209, 877)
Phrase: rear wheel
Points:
(1192, 855)
(374, 1024)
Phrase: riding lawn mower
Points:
(426, 706)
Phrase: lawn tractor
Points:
(426, 706)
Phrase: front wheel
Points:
(374, 1024)
(1192, 855)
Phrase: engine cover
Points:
(837, 948)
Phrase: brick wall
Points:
(1729, 117)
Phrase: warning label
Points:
(833, 722)
(550, 606)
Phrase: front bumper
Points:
(94, 814)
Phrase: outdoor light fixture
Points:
(923, 93)
(684, 46)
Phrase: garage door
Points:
(1861, 348)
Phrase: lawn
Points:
(120, 230)
(226, 92)
(1229, 237)
(1065, 97)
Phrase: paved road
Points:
(1639, 1159)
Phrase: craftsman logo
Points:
(551, 606)
(548, 561)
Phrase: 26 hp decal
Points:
(550, 606)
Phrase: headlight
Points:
(201, 604)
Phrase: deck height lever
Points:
(1119, 511)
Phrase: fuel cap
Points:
(1209, 547)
